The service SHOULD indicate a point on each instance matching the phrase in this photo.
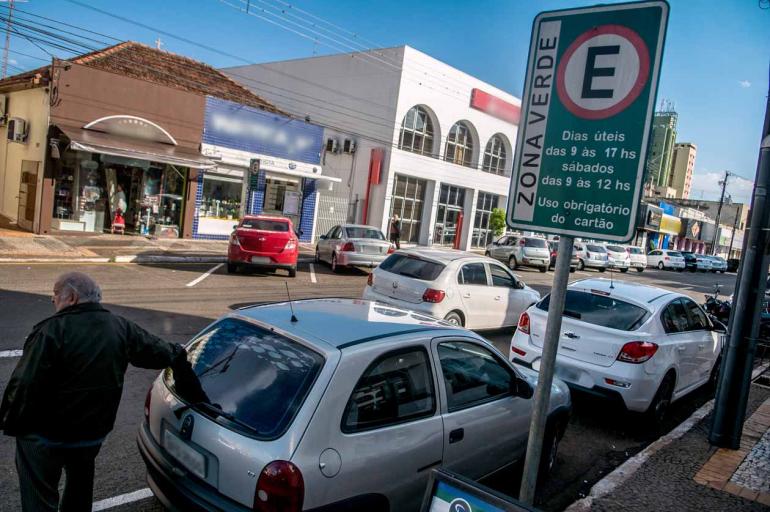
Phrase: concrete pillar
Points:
(469, 213)
(429, 210)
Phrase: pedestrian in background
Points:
(395, 231)
(63, 396)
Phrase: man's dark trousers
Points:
(40, 465)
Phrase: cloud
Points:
(12, 62)
(744, 83)
(706, 186)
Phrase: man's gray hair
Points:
(79, 285)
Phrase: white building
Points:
(406, 134)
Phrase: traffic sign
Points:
(589, 95)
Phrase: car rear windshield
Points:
(675, 254)
(595, 248)
(616, 248)
(411, 266)
(535, 242)
(635, 250)
(280, 226)
(600, 310)
(364, 233)
(259, 379)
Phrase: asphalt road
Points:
(171, 301)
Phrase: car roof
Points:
(359, 226)
(266, 217)
(439, 255)
(634, 292)
(341, 323)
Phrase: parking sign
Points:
(589, 96)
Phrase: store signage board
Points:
(589, 96)
(450, 492)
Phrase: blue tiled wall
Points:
(257, 197)
(309, 196)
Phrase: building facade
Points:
(682, 166)
(661, 149)
(405, 135)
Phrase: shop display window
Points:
(220, 206)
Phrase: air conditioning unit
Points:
(349, 146)
(332, 145)
(17, 129)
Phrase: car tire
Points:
(713, 382)
(581, 265)
(549, 453)
(454, 318)
(487, 254)
(623, 270)
(639, 269)
(572, 269)
(656, 412)
(602, 270)
(317, 255)
(334, 266)
(661, 266)
(512, 263)
(543, 269)
(232, 268)
(293, 272)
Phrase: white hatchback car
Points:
(461, 287)
(665, 259)
(638, 258)
(642, 345)
(591, 256)
(618, 257)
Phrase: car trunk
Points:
(259, 240)
(400, 287)
(536, 248)
(405, 277)
(370, 246)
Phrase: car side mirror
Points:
(323, 237)
(518, 285)
(235, 227)
(521, 388)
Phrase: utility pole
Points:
(7, 38)
(732, 235)
(719, 213)
(738, 355)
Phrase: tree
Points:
(497, 221)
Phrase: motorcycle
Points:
(719, 310)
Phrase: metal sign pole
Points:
(547, 366)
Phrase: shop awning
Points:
(97, 142)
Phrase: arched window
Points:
(495, 155)
(459, 145)
(417, 132)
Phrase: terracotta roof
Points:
(137, 60)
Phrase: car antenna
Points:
(291, 305)
(612, 283)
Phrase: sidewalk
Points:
(21, 247)
(682, 471)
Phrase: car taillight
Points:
(234, 240)
(391, 249)
(518, 351)
(432, 295)
(524, 323)
(370, 280)
(280, 488)
(522, 243)
(553, 254)
(147, 401)
(666, 258)
(348, 247)
(637, 351)
(290, 245)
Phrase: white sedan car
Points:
(665, 259)
(461, 287)
(641, 345)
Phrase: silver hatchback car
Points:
(341, 404)
(352, 245)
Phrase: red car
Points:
(263, 241)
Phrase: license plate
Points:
(261, 260)
(191, 459)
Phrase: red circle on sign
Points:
(641, 79)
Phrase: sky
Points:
(715, 63)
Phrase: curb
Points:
(626, 470)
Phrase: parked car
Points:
(618, 257)
(591, 256)
(521, 251)
(461, 287)
(346, 408)
(666, 259)
(694, 261)
(352, 245)
(642, 345)
(265, 242)
(638, 258)
(732, 264)
(718, 264)
(553, 246)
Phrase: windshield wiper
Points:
(214, 410)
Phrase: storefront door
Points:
(27, 193)
(450, 206)
(283, 196)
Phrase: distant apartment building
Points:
(682, 165)
(661, 149)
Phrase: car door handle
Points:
(498, 298)
(571, 335)
(456, 435)
(701, 346)
(466, 295)
(681, 348)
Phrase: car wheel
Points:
(572, 269)
(232, 268)
(512, 263)
(721, 271)
(714, 376)
(317, 255)
(660, 265)
(543, 269)
(334, 266)
(658, 409)
(549, 453)
(293, 272)
(487, 254)
(454, 318)
(639, 269)
(581, 265)
(623, 270)
(602, 270)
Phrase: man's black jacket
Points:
(68, 382)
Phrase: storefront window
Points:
(482, 235)
(220, 206)
(283, 196)
(450, 207)
(407, 203)
(95, 191)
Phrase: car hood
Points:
(559, 391)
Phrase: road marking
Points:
(117, 501)
(204, 276)
(10, 353)
(312, 274)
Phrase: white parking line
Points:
(312, 274)
(10, 353)
(204, 276)
(117, 501)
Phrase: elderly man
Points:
(63, 396)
